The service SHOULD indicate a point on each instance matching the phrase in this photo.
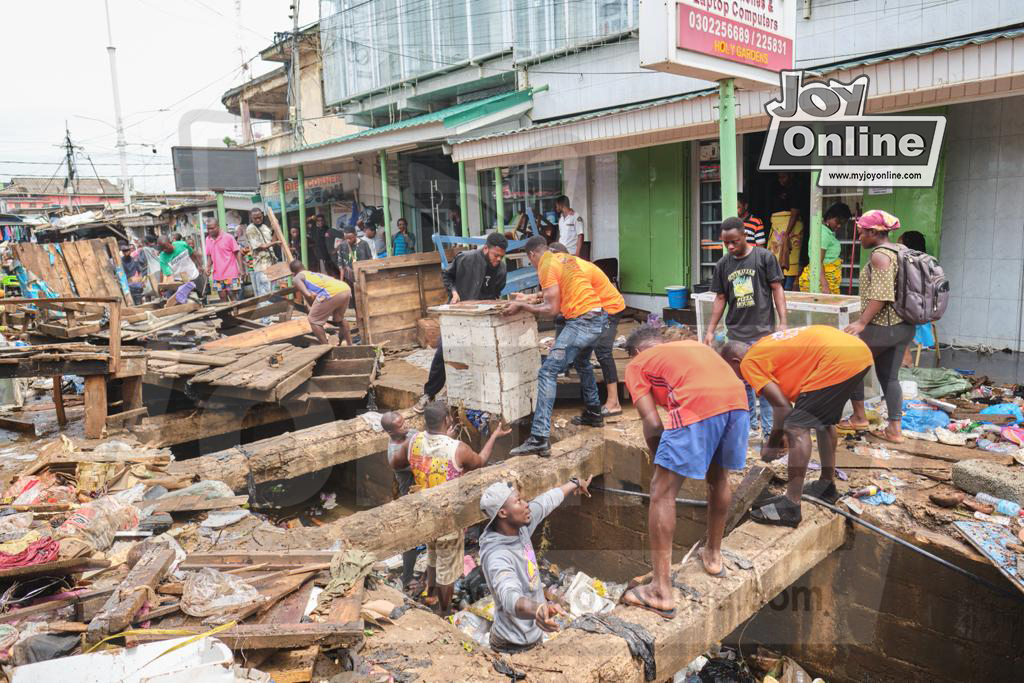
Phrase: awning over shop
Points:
(966, 69)
(436, 126)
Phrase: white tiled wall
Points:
(983, 223)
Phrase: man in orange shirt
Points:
(706, 435)
(808, 374)
(567, 291)
(613, 304)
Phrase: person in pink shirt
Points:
(224, 261)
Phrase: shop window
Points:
(534, 185)
(710, 208)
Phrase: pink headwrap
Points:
(876, 219)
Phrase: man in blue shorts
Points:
(707, 434)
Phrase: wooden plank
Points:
(161, 312)
(54, 568)
(95, 406)
(754, 482)
(280, 636)
(846, 459)
(192, 425)
(246, 360)
(290, 384)
(85, 285)
(197, 503)
(58, 401)
(126, 416)
(64, 332)
(285, 559)
(211, 360)
(326, 384)
(122, 606)
(941, 451)
(264, 311)
(266, 335)
(114, 342)
(23, 426)
(78, 597)
(351, 366)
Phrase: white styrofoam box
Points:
(802, 309)
(491, 360)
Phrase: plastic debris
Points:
(216, 596)
(639, 640)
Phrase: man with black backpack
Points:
(899, 288)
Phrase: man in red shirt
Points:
(707, 434)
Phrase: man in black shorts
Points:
(807, 374)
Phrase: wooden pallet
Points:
(393, 293)
(267, 373)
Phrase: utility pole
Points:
(112, 54)
(243, 103)
(69, 158)
(296, 73)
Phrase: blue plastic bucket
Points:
(677, 296)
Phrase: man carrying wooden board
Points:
(330, 298)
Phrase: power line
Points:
(47, 163)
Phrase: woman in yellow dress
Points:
(787, 228)
(831, 264)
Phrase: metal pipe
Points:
(286, 234)
(499, 201)
(301, 190)
(727, 145)
(639, 494)
(384, 198)
(463, 200)
(911, 546)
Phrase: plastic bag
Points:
(209, 593)
(1004, 409)
(39, 489)
(97, 522)
(208, 489)
(923, 420)
(936, 382)
(16, 522)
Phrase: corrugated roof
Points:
(48, 186)
(920, 50)
(594, 114)
(841, 66)
(450, 116)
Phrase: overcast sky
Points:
(173, 59)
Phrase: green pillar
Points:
(384, 198)
(303, 247)
(222, 217)
(499, 201)
(463, 199)
(727, 145)
(814, 245)
(284, 210)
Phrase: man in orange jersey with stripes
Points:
(613, 304)
(808, 374)
(566, 291)
(706, 435)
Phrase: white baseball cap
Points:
(494, 498)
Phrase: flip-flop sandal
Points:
(777, 511)
(666, 614)
(720, 574)
(610, 413)
(641, 580)
(888, 439)
(850, 427)
(823, 490)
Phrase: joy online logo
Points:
(819, 125)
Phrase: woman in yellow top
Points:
(787, 229)
(831, 265)
(330, 298)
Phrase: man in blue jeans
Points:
(567, 291)
(749, 279)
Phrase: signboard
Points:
(215, 168)
(318, 190)
(748, 40)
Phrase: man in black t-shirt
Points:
(749, 280)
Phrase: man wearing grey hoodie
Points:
(509, 563)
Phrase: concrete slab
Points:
(974, 476)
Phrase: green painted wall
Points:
(654, 218)
(918, 208)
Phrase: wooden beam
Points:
(194, 425)
(265, 335)
(289, 455)
(207, 359)
(23, 426)
(126, 416)
(279, 636)
(58, 401)
(754, 482)
(423, 516)
(95, 406)
(161, 312)
(122, 606)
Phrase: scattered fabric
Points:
(880, 498)
(347, 568)
(28, 550)
(936, 382)
(639, 640)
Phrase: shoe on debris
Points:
(590, 417)
(533, 445)
(421, 404)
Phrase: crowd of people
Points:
(710, 391)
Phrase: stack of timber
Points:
(392, 294)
